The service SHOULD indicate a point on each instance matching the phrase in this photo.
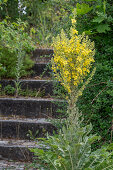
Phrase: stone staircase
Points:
(19, 116)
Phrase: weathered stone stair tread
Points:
(24, 120)
(41, 68)
(30, 99)
(6, 81)
(17, 149)
(29, 107)
(18, 143)
(32, 84)
(44, 60)
(26, 80)
(42, 51)
(11, 165)
(19, 129)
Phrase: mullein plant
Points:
(19, 65)
(17, 42)
(73, 58)
(70, 149)
(22, 41)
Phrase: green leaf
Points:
(110, 19)
(110, 92)
(110, 147)
(98, 19)
(102, 28)
(93, 139)
(83, 8)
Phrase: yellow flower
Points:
(72, 65)
(73, 21)
(72, 58)
(74, 31)
(79, 58)
(75, 83)
(79, 70)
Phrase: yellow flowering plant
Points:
(73, 58)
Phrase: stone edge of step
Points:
(31, 99)
(27, 80)
(19, 143)
(25, 120)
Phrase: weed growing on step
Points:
(32, 93)
(11, 91)
(46, 69)
(45, 56)
(31, 136)
(7, 90)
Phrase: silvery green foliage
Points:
(70, 149)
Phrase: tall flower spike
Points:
(73, 58)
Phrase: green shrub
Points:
(9, 8)
(96, 101)
(48, 18)
(15, 48)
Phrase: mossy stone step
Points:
(41, 69)
(42, 52)
(42, 55)
(12, 165)
(17, 149)
(41, 86)
(19, 128)
(30, 107)
(16, 165)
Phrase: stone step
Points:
(17, 150)
(39, 86)
(30, 107)
(41, 69)
(42, 52)
(13, 165)
(16, 165)
(42, 55)
(20, 128)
